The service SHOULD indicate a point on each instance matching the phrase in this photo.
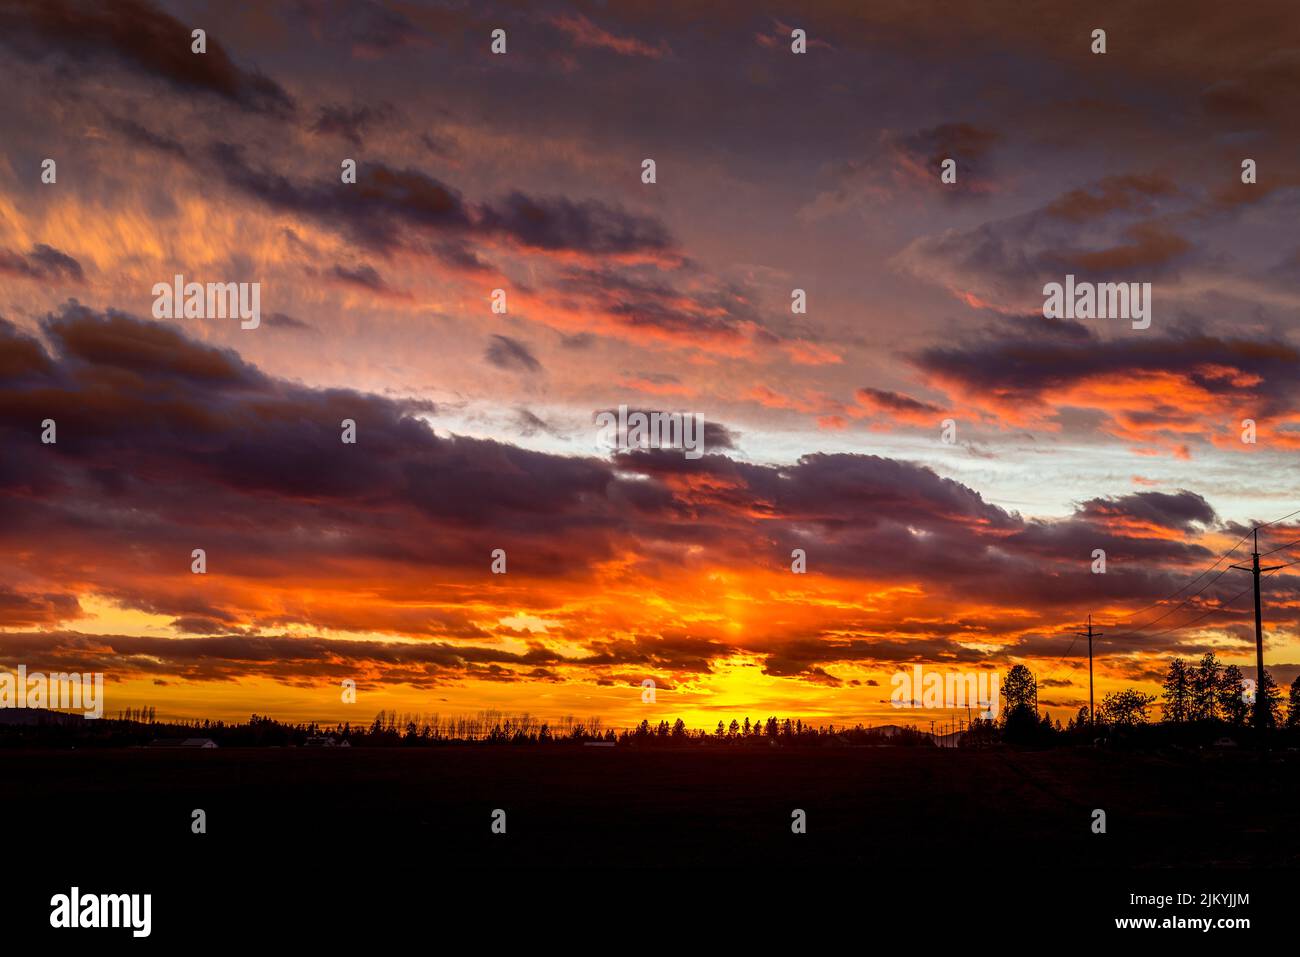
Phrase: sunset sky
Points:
(475, 431)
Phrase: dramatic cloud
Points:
(41, 262)
(902, 408)
(139, 37)
(364, 276)
(349, 122)
(1160, 446)
(1164, 391)
(256, 474)
(506, 353)
(391, 209)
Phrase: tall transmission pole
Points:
(1261, 702)
(1090, 634)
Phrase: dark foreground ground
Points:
(340, 822)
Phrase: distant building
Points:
(325, 741)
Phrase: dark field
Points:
(330, 842)
(867, 808)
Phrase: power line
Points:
(1222, 605)
(1161, 601)
(1092, 713)
(1261, 703)
(1254, 531)
(1060, 662)
(1277, 520)
(1187, 624)
(1279, 548)
(1176, 607)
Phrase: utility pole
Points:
(1090, 634)
(1261, 703)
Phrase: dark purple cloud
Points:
(137, 36)
(165, 442)
(388, 208)
(41, 262)
(511, 355)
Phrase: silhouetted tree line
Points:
(390, 729)
(769, 732)
(1201, 703)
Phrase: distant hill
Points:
(889, 730)
(950, 740)
(30, 716)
